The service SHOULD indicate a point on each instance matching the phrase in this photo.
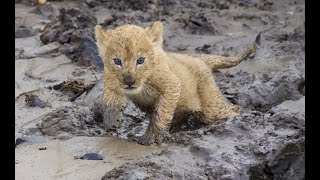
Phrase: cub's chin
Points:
(132, 90)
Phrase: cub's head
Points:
(128, 53)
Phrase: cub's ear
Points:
(101, 39)
(155, 32)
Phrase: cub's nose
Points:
(128, 80)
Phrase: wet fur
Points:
(168, 85)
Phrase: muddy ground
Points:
(58, 88)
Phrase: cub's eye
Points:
(117, 61)
(140, 60)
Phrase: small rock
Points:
(42, 28)
(89, 55)
(65, 36)
(34, 101)
(20, 141)
(18, 53)
(66, 49)
(223, 5)
(98, 131)
(91, 156)
(23, 32)
(43, 148)
(46, 10)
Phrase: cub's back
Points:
(186, 68)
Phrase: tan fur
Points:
(167, 85)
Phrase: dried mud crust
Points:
(262, 91)
(82, 119)
(69, 121)
(73, 28)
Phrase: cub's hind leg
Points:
(213, 105)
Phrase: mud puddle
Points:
(57, 161)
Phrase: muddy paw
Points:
(112, 118)
(237, 109)
(144, 140)
(149, 139)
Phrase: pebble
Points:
(91, 156)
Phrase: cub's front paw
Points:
(149, 138)
(112, 118)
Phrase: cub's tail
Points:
(222, 62)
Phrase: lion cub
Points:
(167, 86)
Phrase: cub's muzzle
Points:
(128, 80)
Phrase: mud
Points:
(55, 41)
(73, 28)
(23, 32)
(262, 92)
(252, 146)
(68, 121)
(34, 101)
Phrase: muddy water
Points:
(57, 161)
